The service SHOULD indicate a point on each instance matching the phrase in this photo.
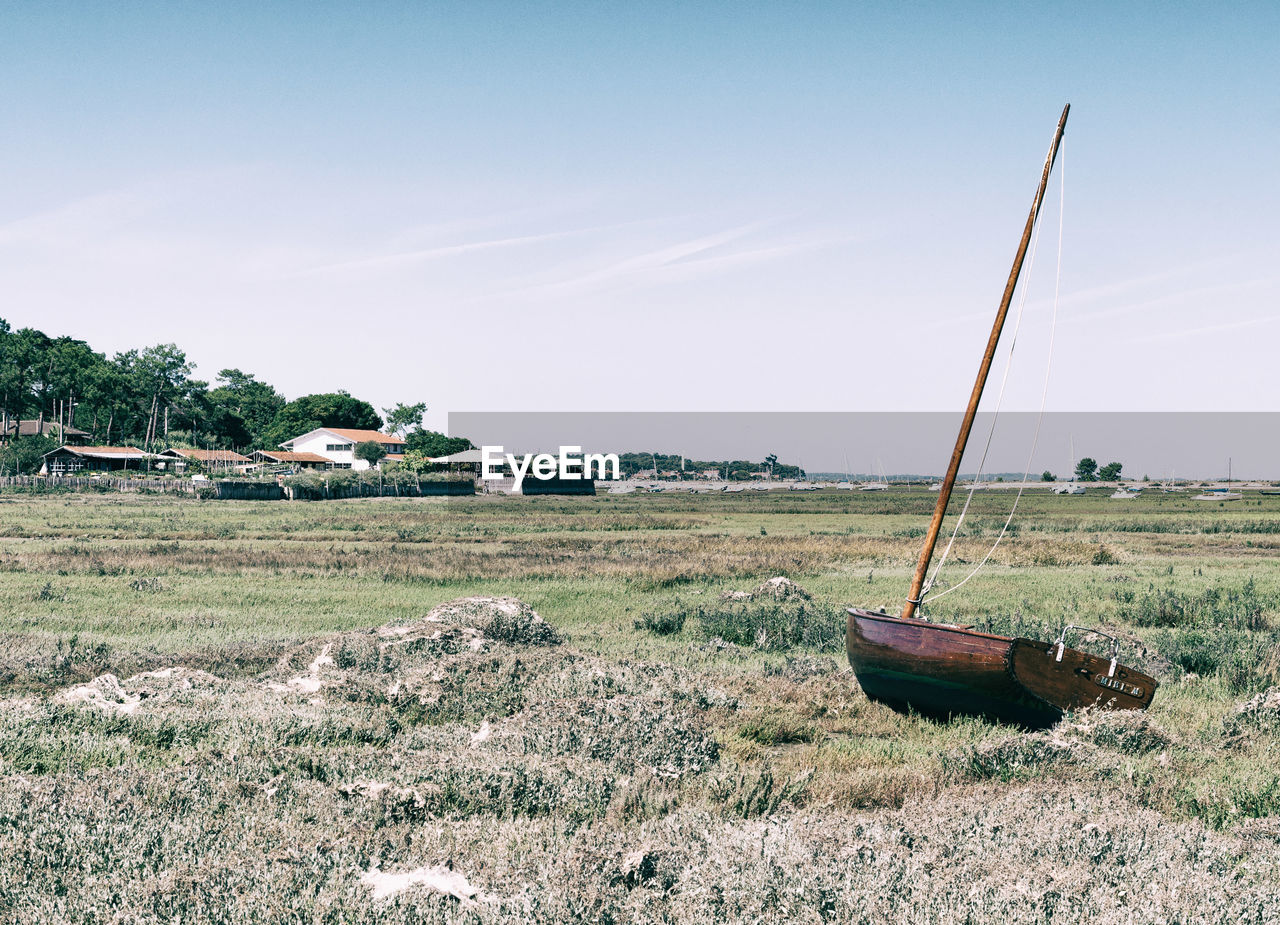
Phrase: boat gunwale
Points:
(920, 621)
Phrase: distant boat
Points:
(1220, 494)
(621, 489)
(882, 485)
(1270, 491)
(734, 489)
(1072, 487)
(1123, 494)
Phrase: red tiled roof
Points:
(361, 436)
(207, 455)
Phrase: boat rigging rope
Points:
(1044, 394)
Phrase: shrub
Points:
(1104, 556)
(746, 795)
(778, 730)
(1015, 758)
(661, 624)
(1243, 608)
(370, 451)
(1237, 657)
(774, 625)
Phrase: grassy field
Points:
(656, 753)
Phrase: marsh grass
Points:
(614, 764)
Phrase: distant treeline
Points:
(735, 469)
(149, 398)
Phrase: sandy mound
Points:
(1265, 704)
(1129, 731)
(1258, 715)
(780, 589)
(507, 619)
(777, 588)
(421, 660)
(104, 692)
(109, 693)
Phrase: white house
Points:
(338, 444)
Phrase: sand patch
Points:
(441, 878)
(105, 693)
(108, 693)
(309, 683)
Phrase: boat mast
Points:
(944, 496)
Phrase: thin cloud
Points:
(1118, 287)
(1207, 329)
(77, 221)
(1066, 316)
(387, 261)
(655, 260)
(716, 263)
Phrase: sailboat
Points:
(941, 669)
(1073, 487)
(882, 485)
(1220, 494)
(845, 484)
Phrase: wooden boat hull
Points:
(942, 671)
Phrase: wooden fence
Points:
(60, 483)
(229, 489)
(247, 491)
(424, 489)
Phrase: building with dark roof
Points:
(10, 430)
(69, 460)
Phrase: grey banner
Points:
(1192, 445)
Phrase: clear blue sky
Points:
(649, 206)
